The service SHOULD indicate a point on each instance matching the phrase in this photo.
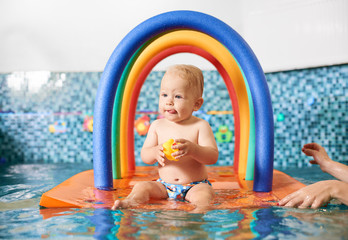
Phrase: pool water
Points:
(21, 186)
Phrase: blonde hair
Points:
(192, 74)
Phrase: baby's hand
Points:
(184, 147)
(168, 149)
(159, 155)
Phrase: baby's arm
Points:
(151, 151)
(336, 169)
(205, 151)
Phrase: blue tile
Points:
(69, 96)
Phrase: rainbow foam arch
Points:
(132, 60)
(114, 113)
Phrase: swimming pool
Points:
(21, 186)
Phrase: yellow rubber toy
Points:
(168, 150)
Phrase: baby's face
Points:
(177, 99)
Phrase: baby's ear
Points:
(198, 104)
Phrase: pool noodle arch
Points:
(231, 40)
(147, 69)
(205, 41)
(116, 129)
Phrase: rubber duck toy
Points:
(168, 150)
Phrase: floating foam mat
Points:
(79, 191)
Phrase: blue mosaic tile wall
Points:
(42, 114)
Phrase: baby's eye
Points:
(164, 95)
(178, 96)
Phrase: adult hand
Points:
(336, 169)
(311, 196)
(318, 153)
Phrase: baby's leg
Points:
(141, 193)
(201, 195)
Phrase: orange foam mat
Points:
(79, 191)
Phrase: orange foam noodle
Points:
(79, 191)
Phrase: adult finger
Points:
(309, 152)
(294, 202)
(306, 203)
(286, 199)
(320, 201)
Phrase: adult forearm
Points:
(340, 192)
(338, 170)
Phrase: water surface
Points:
(21, 186)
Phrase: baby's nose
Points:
(169, 101)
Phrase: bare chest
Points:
(175, 132)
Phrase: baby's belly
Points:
(184, 173)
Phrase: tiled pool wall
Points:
(43, 113)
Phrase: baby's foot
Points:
(202, 209)
(126, 203)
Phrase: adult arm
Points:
(320, 157)
(317, 195)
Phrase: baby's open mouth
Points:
(171, 111)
